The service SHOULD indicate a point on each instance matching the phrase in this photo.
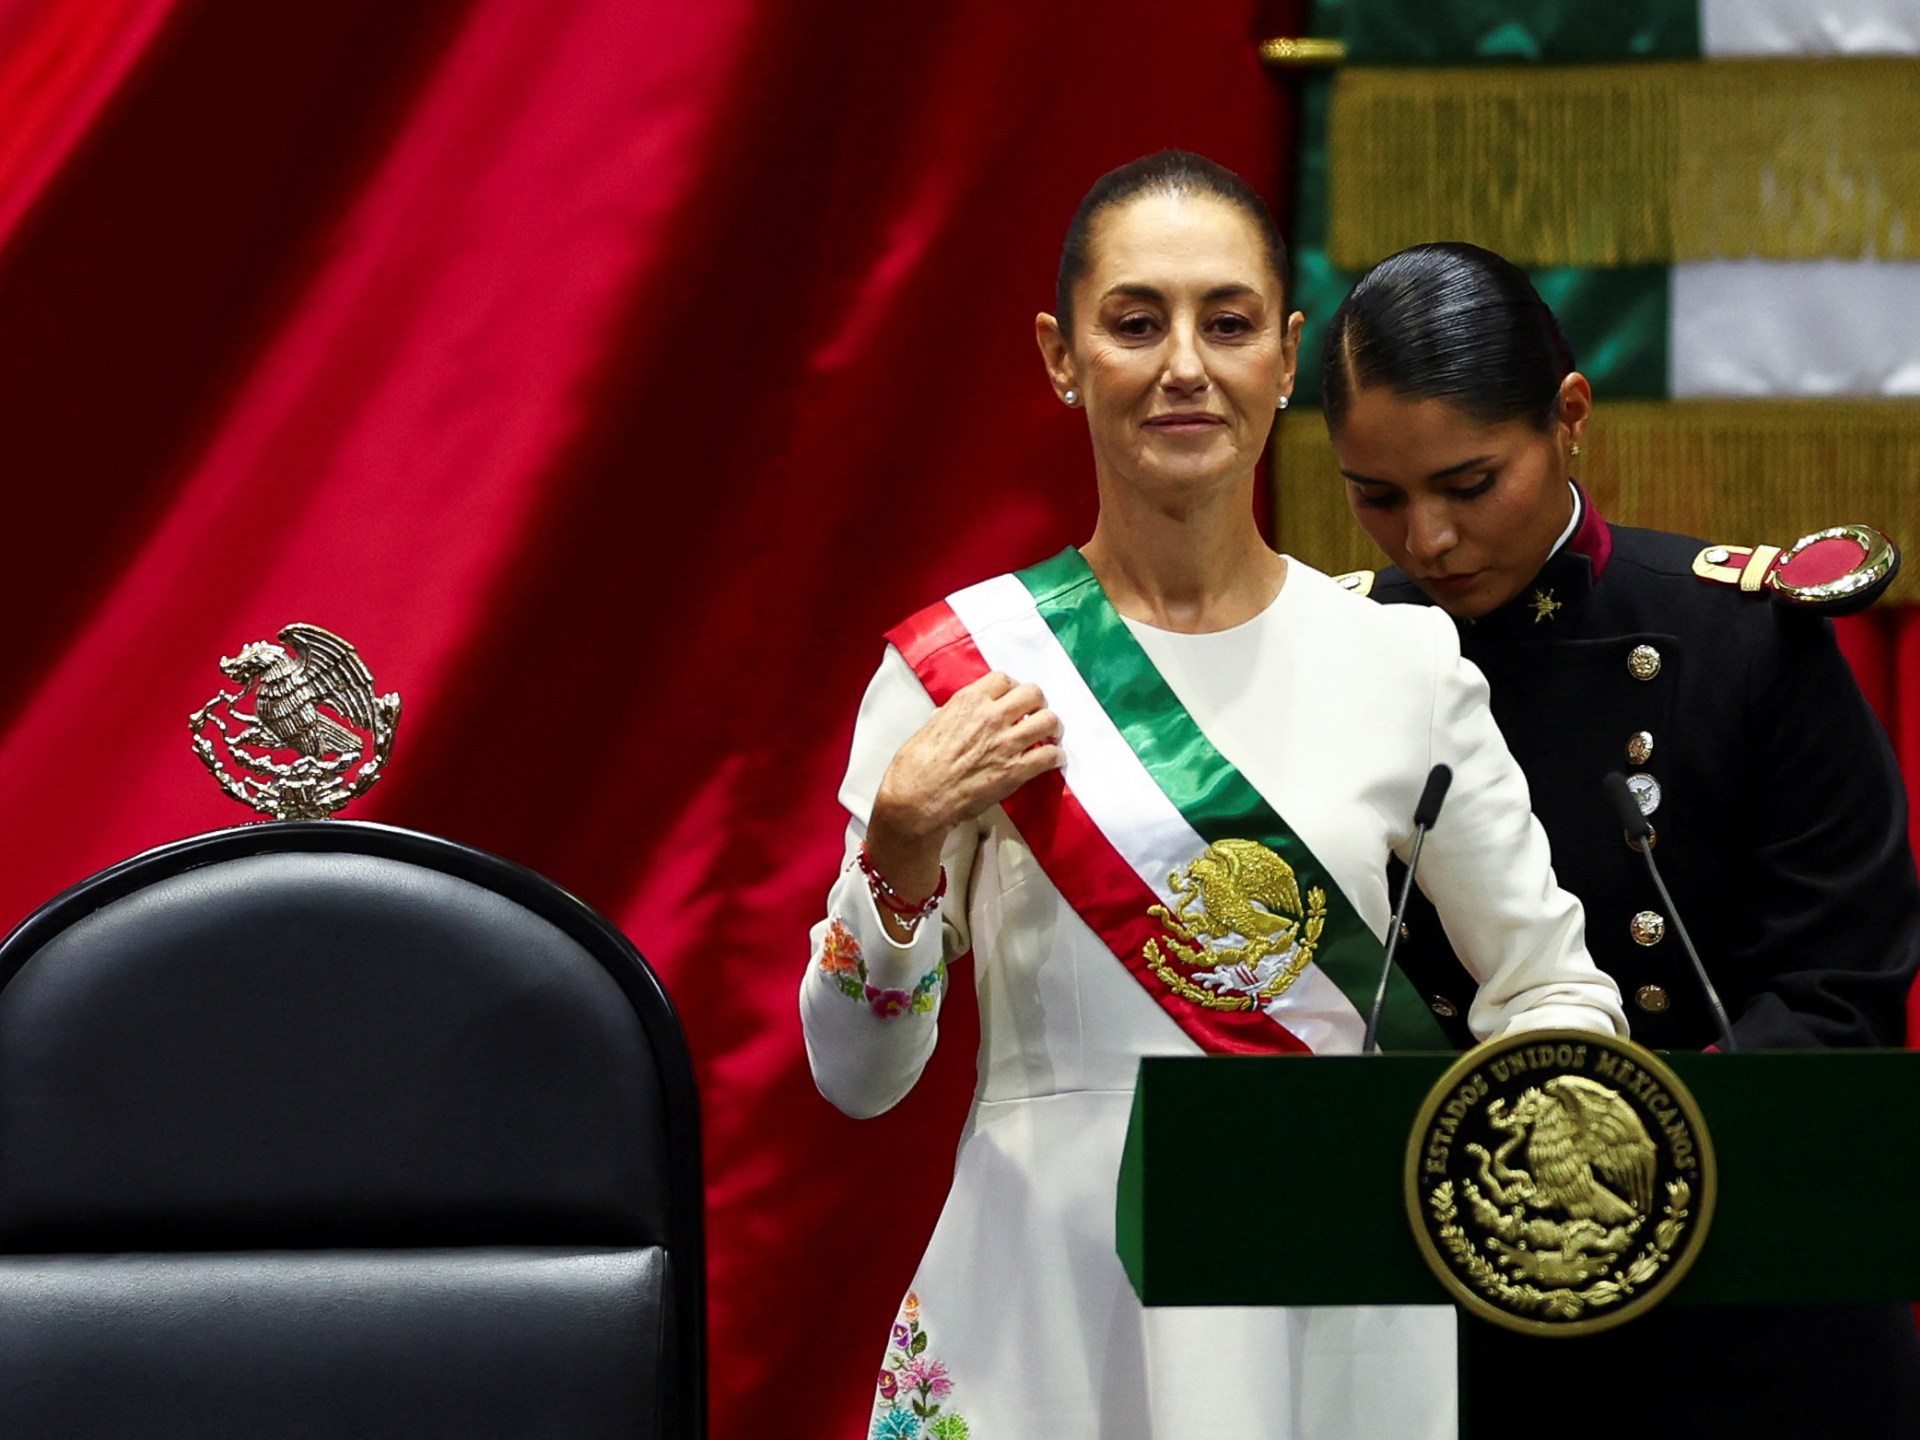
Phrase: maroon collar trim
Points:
(1592, 538)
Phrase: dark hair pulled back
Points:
(1448, 322)
(1165, 172)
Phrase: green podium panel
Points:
(1280, 1180)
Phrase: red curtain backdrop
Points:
(613, 372)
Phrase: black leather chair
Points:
(334, 1129)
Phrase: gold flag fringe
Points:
(1646, 163)
(1737, 472)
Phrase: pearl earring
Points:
(1072, 397)
(1282, 403)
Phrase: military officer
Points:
(1707, 675)
(1777, 807)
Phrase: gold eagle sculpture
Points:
(310, 694)
(309, 668)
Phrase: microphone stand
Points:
(1424, 814)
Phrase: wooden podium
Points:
(1818, 1154)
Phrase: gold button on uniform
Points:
(1639, 748)
(1443, 1007)
(1649, 927)
(1643, 662)
(1652, 999)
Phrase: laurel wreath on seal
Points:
(1157, 961)
(1563, 1302)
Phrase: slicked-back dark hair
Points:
(1165, 172)
(1449, 322)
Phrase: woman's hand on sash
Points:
(986, 742)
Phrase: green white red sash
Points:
(1144, 796)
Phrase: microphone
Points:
(1424, 814)
(1640, 837)
(1431, 795)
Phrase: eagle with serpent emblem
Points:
(311, 695)
(1586, 1157)
(1236, 891)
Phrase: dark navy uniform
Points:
(1781, 826)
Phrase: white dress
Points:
(1020, 1321)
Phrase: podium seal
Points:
(1559, 1182)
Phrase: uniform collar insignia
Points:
(1560, 590)
(1563, 584)
(1557, 594)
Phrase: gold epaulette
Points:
(1834, 571)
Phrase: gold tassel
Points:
(1649, 163)
(1303, 53)
(1737, 472)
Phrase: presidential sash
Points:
(1166, 851)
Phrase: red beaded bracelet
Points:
(888, 898)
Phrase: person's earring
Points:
(1576, 447)
(1282, 404)
(1071, 397)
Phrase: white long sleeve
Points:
(870, 1007)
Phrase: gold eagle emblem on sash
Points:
(1238, 934)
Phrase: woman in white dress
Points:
(1152, 785)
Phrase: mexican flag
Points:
(1720, 200)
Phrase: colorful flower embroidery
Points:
(929, 1377)
(842, 962)
(912, 1385)
(840, 952)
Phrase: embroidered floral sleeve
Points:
(840, 958)
(870, 1006)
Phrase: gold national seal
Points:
(1559, 1182)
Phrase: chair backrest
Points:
(337, 1129)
